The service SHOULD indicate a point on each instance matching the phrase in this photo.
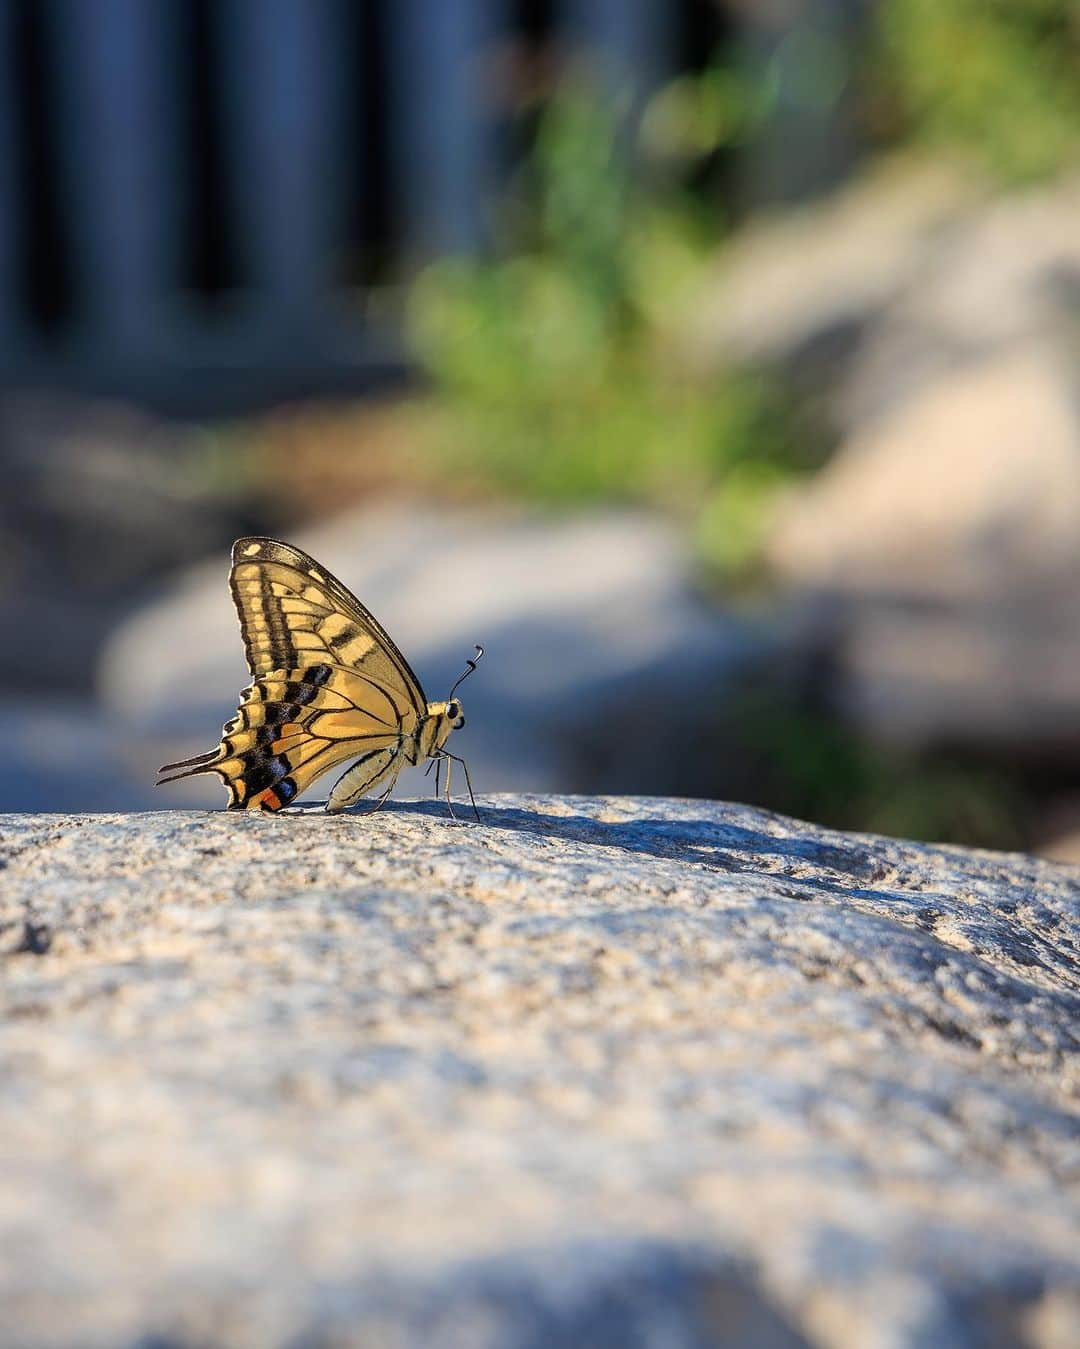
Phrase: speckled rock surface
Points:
(594, 1071)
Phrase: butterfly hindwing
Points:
(293, 725)
(294, 613)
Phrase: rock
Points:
(933, 329)
(99, 500)
(875, 293)
(604, 1071)
(969, 490)
(1006, 276)
(948, 537)
(604, 667)
(800, 290)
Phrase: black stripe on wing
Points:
(300, 693)
(274, 551)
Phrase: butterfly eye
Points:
(453, 711)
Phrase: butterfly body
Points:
(328, 685)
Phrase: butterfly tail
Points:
(187, 768)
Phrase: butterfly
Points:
(328, 685)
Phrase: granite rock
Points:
(592, 1071)
(944, 538)
(931, 327)
(970, 490)
(871, 295)
(803, 289)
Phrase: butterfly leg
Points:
(436, 763)
(445, 758)
(468, 781)
(381, 801)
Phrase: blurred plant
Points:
(1000, 78)
(556, 369)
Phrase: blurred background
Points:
(714, 364)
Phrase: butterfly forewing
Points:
(294, 613)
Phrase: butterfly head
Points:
(448, 716)
(445, 717)
(441, 719)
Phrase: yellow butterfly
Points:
(328, 684)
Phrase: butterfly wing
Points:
(329, 684)
(294, 614)
(294, 725)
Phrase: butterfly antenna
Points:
(470, 666)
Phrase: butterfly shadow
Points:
(888, 878)
(851, 867)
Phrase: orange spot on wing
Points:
(266, 800)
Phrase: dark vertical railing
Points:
(288, 132)
(116, 82)
(441, 122)
(12, 324)
(283, 69)
(630, 42)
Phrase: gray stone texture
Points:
(607, 1072)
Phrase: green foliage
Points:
(1000, 78)
(557, 370)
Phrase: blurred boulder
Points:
(98, 499)
(935, 329)
(908, 274)
(604, 669)
(947, 536)
(799, 290)
(1006, 274)
(1059, 829)
(968, 489)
